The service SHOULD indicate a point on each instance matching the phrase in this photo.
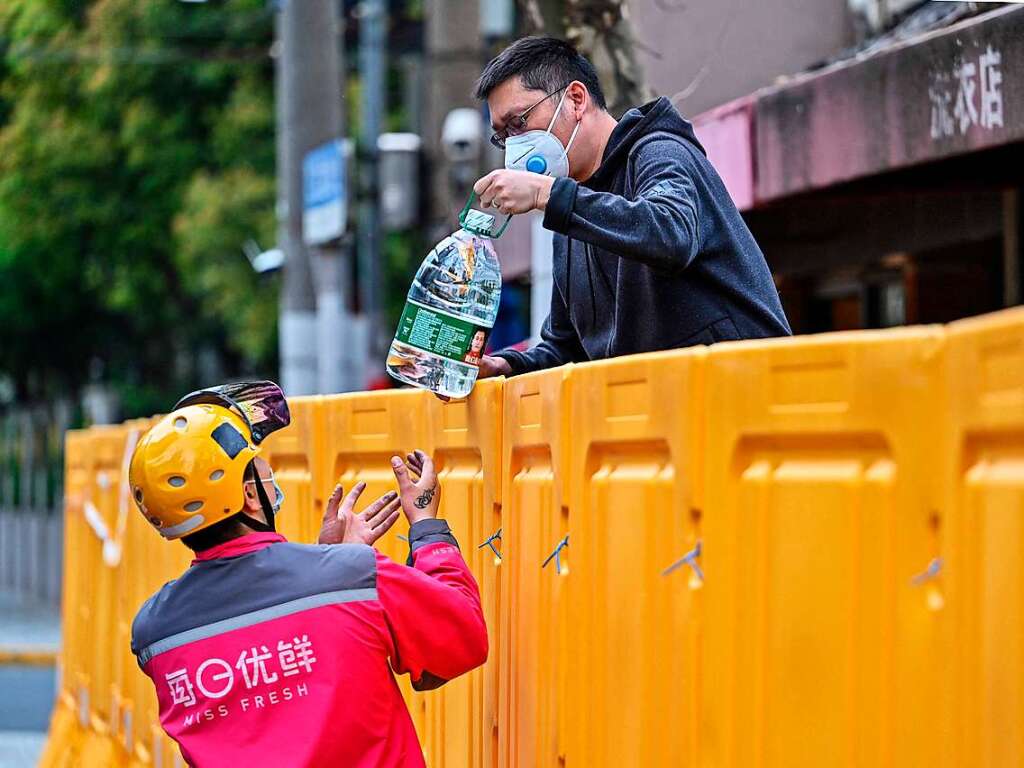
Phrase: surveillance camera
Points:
(269, 261)
(263, 261)
(462, 134)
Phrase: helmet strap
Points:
(268, 508)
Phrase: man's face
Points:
(510, 99)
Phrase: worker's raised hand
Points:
(514, 191)
(343, 525)
(418, 486)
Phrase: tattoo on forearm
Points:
(423, 500)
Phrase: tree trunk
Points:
(601, 31)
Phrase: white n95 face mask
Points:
(540, 151)
(278, 495)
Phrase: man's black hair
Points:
(544, 64)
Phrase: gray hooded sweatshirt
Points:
(650, 253)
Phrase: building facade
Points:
(884, 188)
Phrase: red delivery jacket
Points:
(267, 653)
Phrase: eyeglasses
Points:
(518, 123)
(263, 480)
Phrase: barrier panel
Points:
(782, 553)
(823, 507)
(535, 512)
(634, 469)
(105, 707)
(98, 617)
(985, 495)
(292, 452)
(460, 726)
(64, 739)
(360, 434)
(147, 562)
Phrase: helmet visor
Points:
(260, 403)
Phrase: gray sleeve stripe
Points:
(255, 617)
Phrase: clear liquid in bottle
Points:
(449, 313)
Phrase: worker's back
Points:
(266, 653)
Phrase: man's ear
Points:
(578, 98)
(252, 506)
(251, 499)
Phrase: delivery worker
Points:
(650, 252)
(267, 653)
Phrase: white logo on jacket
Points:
(258, 669)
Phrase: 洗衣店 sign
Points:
(324, 199)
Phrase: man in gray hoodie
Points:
(650, 252)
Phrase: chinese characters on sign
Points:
(970, 94)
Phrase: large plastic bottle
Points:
(450, 310)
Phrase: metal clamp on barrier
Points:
(929, 573)
(557, 556)
(489, 542)
(158, 752)
(927, 579)
(690, 559)
(129, 737)
(83, 706)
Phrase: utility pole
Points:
(309, 113)
(372, 39)
(454, 56)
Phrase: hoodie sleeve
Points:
(659, 227)
(559, 342)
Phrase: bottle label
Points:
(441, 334)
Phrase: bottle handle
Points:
(469, 206)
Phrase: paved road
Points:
(20, 749)
(26, 692)
(28, 624)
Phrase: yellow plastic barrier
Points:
(66, 732)
(128, 555)
(99, 617)
(146, 564)
(360, 434)
(460, 726)
(292, 453)
(106, 712)
(535, 496)
(822, 506)
(985, 563)
(783, 553)
(635, 510)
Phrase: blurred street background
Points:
(194, 192)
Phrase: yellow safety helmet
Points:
(187, 472)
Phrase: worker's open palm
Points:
(343, 525)
(418, 486)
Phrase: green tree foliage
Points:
(136, 157)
